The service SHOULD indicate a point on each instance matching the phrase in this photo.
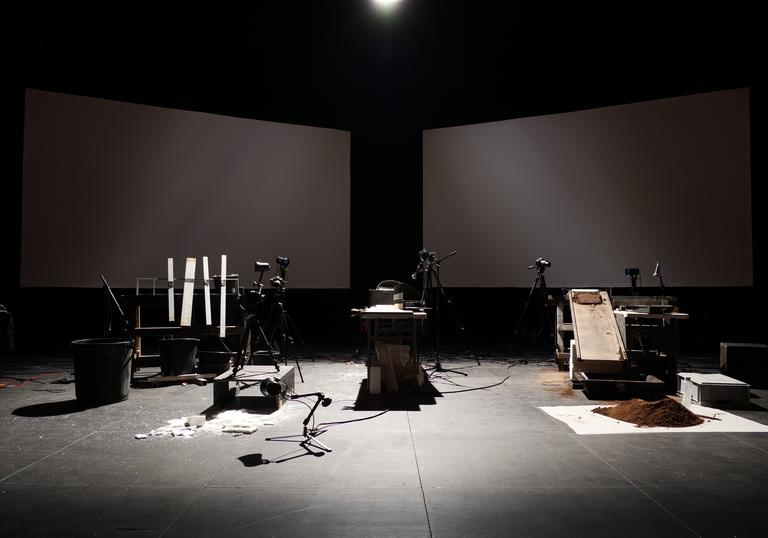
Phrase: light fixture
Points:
(273, 386)
(386, 4)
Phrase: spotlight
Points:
(272, 387)
(386, 3)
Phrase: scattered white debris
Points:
(240, 429)
(196, 420)
(235, 421)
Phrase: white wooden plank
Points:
(223, 292)
(189, 292)
(171, 306)
(207, 291)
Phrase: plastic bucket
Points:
(102, 369)
(214, 362)
(177, 355)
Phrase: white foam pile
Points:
(234, 421)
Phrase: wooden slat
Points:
(223, 292)
(207, 291)
(171, 305)
(189, 288)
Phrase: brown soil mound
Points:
(665, 412)
(586, 297)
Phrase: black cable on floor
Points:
(326, 424)
(475, 388)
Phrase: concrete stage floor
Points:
(454, 462)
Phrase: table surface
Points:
(387, 312)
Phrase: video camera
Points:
(426, 259)
(255, 296)
(279, 282)
(540, 265)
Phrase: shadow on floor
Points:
(399, 401)
(51, 409)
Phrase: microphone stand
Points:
(657, 274)
(308, 436)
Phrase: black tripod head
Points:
(426, 260)
(633, 273)
(540, 265)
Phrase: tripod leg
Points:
(459, 324)
(285, 339)
(455, 314)
(522, 315)
(312, 441)
(297, 335)
(272, 355)
(244, 340)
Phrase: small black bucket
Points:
(177, 355)
(102, 370)
(214, 362)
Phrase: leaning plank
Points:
(223, 292)
(189, 290)
(171, 306)
(207, 291)
(595, 329)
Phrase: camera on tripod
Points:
(279, 282)
(540, 265)
(426, 260)
(425, 255)
(253, 297)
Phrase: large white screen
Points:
(595, 192)
(116, 188)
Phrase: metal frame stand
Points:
(541, 284)
(431, 271)
(246, 345)
(285, 334)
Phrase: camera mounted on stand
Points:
(279, 281)
(426, 260)
(252, 302)
(539, 283)
(540, 265)
(256, 295)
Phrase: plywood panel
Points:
(594, 327)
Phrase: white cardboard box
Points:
(715, 390)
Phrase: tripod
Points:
(539, 282)
(308, 435)
(252, 325)
(252, 305)
(110, 301)
(284, 332)
(430, 269)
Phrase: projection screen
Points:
(115, 188)
(595, 192)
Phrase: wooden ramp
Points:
(599, 347)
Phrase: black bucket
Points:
(102, 369)
(214, 362)
(177, 355)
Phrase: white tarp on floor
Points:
(583, 421)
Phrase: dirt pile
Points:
(665, 412)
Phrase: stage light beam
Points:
(386, 5)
